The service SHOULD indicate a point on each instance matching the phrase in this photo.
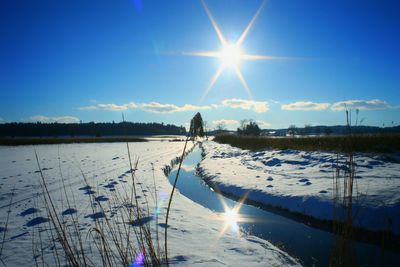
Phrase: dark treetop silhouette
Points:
(88, 129)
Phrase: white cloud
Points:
(110, 107)
(256, 106)
(226, 122)
(360, 104)
(338, 106)
(2, 120)
(305, 105)
(215, 106)
(93, 107)
(131, 105)
(156, 107)
(62, 119)
(263, 124)
(187, 107)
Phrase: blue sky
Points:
(92, 60)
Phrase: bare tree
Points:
(292, 130)
(307, 129)
(327, 131)
(205, 126)
(243, 124)
(221, 126)
(249, 127)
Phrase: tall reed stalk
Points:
(170, 201)
(342, 252)
(114, 244)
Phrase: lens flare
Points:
(231, 216)
(139, 260)
(231, 54)
(162, 198)
(231, 219)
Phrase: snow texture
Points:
(193, 230)
(302, 182)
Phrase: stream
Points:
(310, 245)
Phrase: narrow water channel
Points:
(310, 245)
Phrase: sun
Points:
(230, 55)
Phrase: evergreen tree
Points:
(196, 126)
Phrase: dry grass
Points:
(123, 240)
(109, 241)
(342, 253)
(360, 143)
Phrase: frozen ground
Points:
(303, 182)
(193, 231)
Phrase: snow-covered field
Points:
(193, 233)
(303, 182)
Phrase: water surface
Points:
(312, 246)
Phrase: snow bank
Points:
(303, 182)
(193, 231)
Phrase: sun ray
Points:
(241, 201)
(214, 23)
(250, 25)
(232, 215)
(260, 57)
(213, 81)
(223, 230)
(231, 53)
(243, 81)
(203, 54)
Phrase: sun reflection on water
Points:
(231, 219)
(231, 216)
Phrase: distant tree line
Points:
(335, 130)
(88, 129)
(249, 127)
